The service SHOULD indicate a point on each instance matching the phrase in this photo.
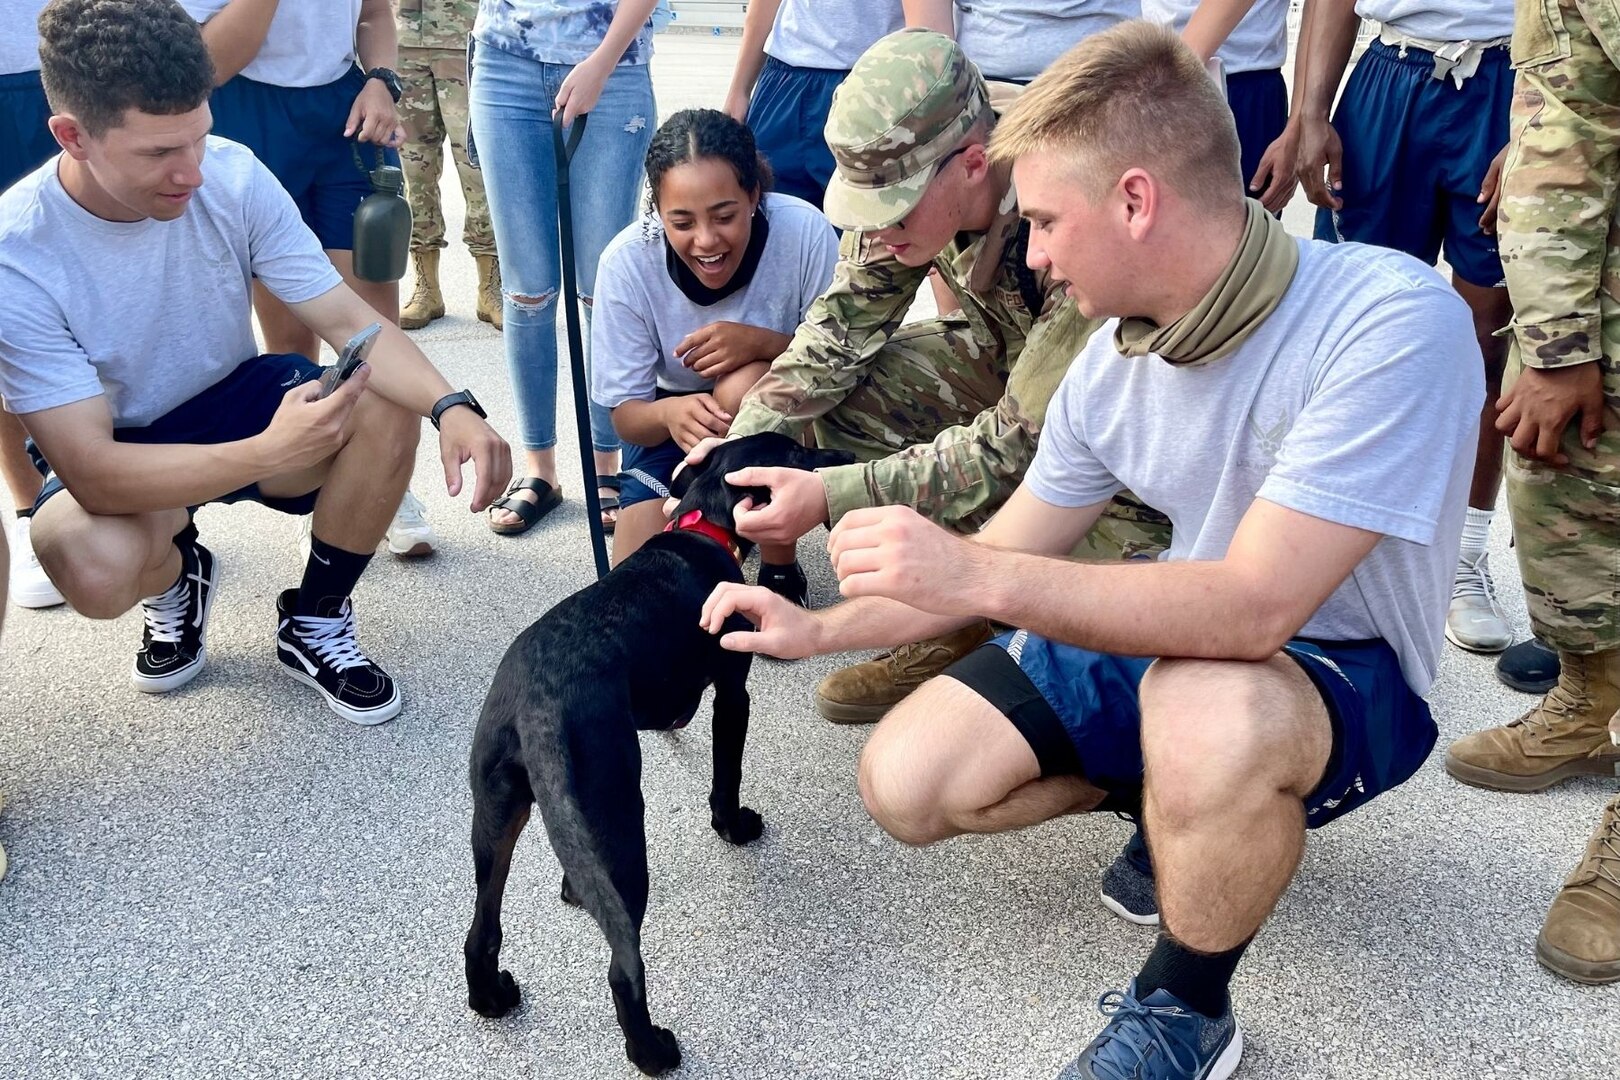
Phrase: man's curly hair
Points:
(99, 58)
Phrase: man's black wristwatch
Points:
(450, 401)
(388, 79)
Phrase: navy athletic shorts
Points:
(1416, 151)
(787, 114)
(297, 132)
(25, 140)
(1079, 712)
(1259, 103)
(239, 406)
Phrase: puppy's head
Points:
(703, 486)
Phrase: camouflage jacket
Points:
(1559, 231)
(1021, 319)
(434, 24)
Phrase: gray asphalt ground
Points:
(230, 881)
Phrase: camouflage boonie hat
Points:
(905, 105)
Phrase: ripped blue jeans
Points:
(509, 102)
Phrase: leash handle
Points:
(564, 152)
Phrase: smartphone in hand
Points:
(349, 360)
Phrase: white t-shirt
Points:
(1440, 20)
(1357, 401)
(1259, 42)
(149, 313)
(641, 314)
(830, 34)
(310, 42)
(1017, 39)
(19, 35)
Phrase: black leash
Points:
(576, 350)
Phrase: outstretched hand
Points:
(783, 629)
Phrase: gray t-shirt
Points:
(641, 314)
(1442, 20)
(1259, 42)
(830, 34)
(1017, 39)
(19, 35)
(310, 42)
(149, 313)
(1356, 402)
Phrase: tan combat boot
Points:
(862, 693)
(1581, 937)
(426, 302)
(489, 291)
(1566, 734)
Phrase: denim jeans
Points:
(509, 103)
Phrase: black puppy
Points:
(559, 727)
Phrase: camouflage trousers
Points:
(934, 374)
(1566, 522)
(433, 109)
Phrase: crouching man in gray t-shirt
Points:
(126, 347)
(1305, 415)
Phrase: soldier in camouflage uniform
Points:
(943, 414)
(1560, 242)
(433, 67)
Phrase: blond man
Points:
(1267, 676)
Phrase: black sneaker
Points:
(172, 650)
(1529, 667)
(785, 581)
(1127, 887)
(321, 651)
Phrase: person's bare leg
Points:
(637, 525)
(1492, 310)
(22, 479)
(366, 479)
(1232, 749)
(945, 762)
(106, 564)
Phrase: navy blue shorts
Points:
(646, 471)
(25, 141)
(1259, 103)
(239, 406)
(787, 114)
(1079, 711)
(297, 132)
(1416, 151)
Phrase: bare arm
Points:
(235, 33)
(1212, 23)
(376, 38)
(757, 23)
(1328, 35)
(933, 14)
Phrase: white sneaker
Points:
(1475, 621)
(305, 524)
(30, 588)
(409, 534)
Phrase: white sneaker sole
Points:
(1475, 647)
(362, 717)
(1129, 916)
(419, 549)
(176, 679)
(1225, 1065)
(36, 594)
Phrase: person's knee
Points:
(529, 306)
(1214, 734)
(385, 432)
(733, 386)
(895, 798)
(98, 577)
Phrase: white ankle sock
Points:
(1476, 533)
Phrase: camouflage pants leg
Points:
(1566, 523)
(935, 374)
(422, 155)
(450, 76)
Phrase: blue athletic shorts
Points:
(1416, 150)
(787, 114)
(25, 140)
(297, 132)
(1259, 103)
(646, 471)
(1079, 711)
(239, 406)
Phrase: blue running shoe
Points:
(1127, 885)
(1157, 1039)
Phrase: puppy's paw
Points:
(569, 896)
(656, 1055)
(497, 998)
(742, 827)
